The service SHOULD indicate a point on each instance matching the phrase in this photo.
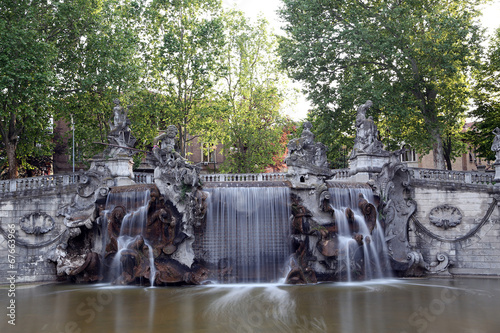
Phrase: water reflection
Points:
(460, 305)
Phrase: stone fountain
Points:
(311, 224)
(308, 228)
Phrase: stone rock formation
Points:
(333, 250)
(147, 250)
(77, 252)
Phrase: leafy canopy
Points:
(252, 128)
(486, 101)
(411, 58)
(58, 58)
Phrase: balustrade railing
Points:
(42, 182)
(243, 177)
(144, 178)
(53, 181)
(339, 174)
(465, 177)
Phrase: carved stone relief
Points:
(37, 223)
(445, 216)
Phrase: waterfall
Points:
(372, 262)
(132, 231)
(247, 232)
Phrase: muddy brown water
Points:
(465, 305)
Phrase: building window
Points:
(208, 153)
(408, 155)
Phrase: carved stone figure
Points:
(496, 145)
(366, 140)
(306, 155)
(178, 182)
(120, 134)
(391, 184)
(80, 216)
(164, 146)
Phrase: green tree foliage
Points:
(411, 58)
(27, 55)
(57, 55)
(102, 65)
(487, 101)
(183, 44)
(252, 127)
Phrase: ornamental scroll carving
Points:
(37, 223)
(445, 216)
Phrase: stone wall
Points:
(38, 230)
(457, 222)
(451, 219)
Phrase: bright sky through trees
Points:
(268, 8)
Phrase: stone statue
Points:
(496, 145)
(164, 145)
(366, 133)
(170, 164)
(120, 134)
(306, 155)
(304, 146)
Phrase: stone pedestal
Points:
(121, 169)
(497, 171)
(363, 165)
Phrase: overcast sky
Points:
(268, 8)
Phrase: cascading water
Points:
(247, 232)
(132, 233)
(353, 229)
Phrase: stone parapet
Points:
(464, 177)
(35, 183)
(243, 177)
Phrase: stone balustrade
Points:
(148, 178)
(144, 178)
(53, 181)
(34, 183)
(341, 174)
(243, 177)
(463, 177)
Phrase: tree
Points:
(25, 77)
(103, 64)
(252, 127)
(184, 40)
(411, 58)
(487, 101)
(50, 52)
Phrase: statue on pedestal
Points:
(496, 148)
(170, 164)
(366, 140)
(120, 134)
(496, 145)
(306, 155)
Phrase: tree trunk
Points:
(10, 148)
(447, 153)
(438, 151)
